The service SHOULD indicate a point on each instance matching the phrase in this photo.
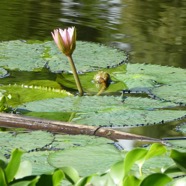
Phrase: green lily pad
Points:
(3, 72)
(25, 93)
(87, 160)
(39, 145)
(182, 128)
(108, 110)
(31, 56)
(175, 92)
(88, 84)
(70, 141)
(127, 118)
(39, 162)
(141, 76)
(181, 143)
(26, 141)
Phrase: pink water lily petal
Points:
(71, 33)
(65, 39)
(57, 38)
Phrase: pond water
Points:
(149, 31)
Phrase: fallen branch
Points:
(31, 123)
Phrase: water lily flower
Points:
(65, 40)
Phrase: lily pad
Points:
(3, 72)
(109, 110)
(70, 141)
(66, 80)
(127, 118)
(39, 162)
(39, 145)
(87, 160)
(26, 141)
(25, 93)
(181, 143)
(175, 92)
(150, 76)
(31, 56)
(182, 128)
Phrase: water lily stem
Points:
(76, 77)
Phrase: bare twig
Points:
(18, 121)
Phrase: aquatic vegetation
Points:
(66, 42)
(39, 83)
(120, 173)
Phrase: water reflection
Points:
(157, 131)
(152, 31)
(156, 31)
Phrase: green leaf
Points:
(57, 177)
(32, 93)
(117, 172)
(84, 180)
(27, 181)
(70, 174)
(156, 149)
(131, 181)
(2, 178)
(25, 169)
(3, 103)
(13, 164)
(172, 169)
(179, 158)
(45, 179)
(156, 179)
(132, 157)
(104, 179)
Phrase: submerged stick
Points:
(18, 121)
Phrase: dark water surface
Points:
(151, 31)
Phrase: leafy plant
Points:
(120, 174)
(41, 76)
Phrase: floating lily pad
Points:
(88, 84)
(25, 93)
(87, 160)
(175, 92)
(31, 56)
(26, 141)
(70, 141)
(150, 76)
(38, 145)
(177, 143)
(3, 72)
(127, 118)
(39, 162)
(181, 128)
(109, 110)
